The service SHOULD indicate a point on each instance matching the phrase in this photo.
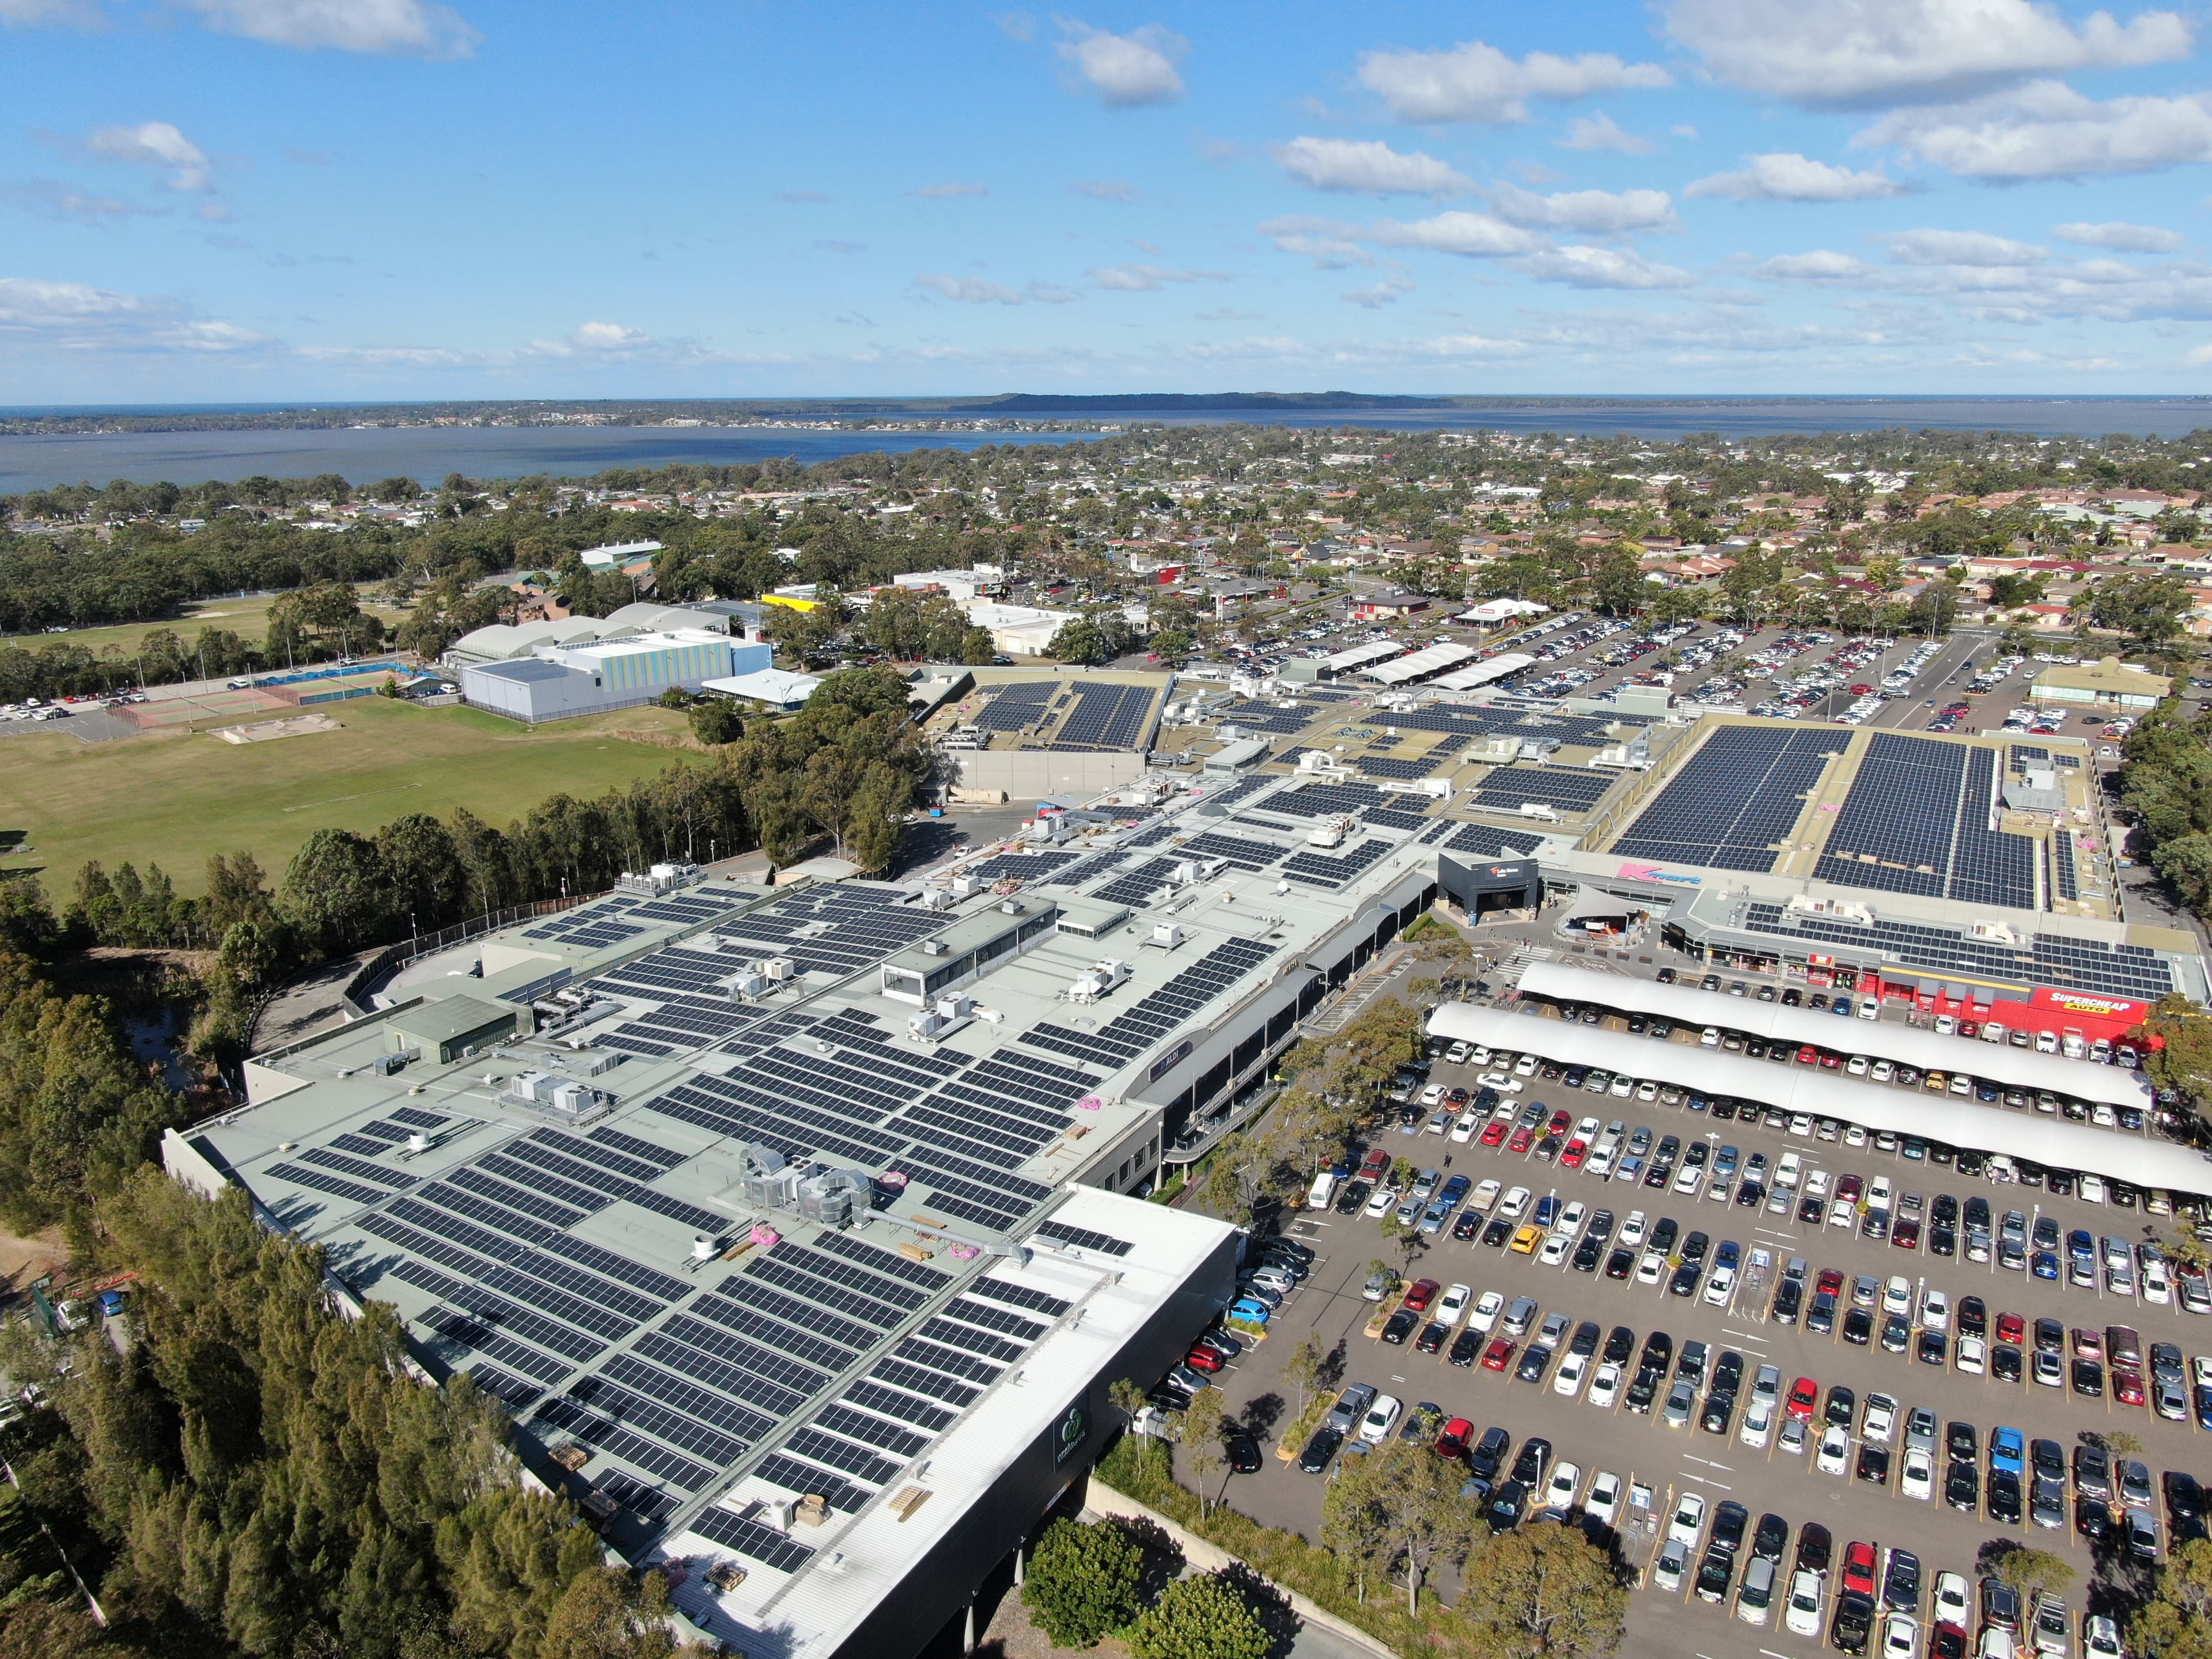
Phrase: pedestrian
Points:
(1448, 1160)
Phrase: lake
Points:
(429, 453)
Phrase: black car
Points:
(1873, 1465)
(1789, 1301)
(1685, 1280)
(1962, 1443)
(1854, 1622)
(1586, 1255)
(1353, 1198)
(1858, 1326)
(1750, 1195)
(1962, 1487)
(2093, 1520)
(1585, 1339)
(1820, 1317)
(2048, 1459)
(1467, 1225)
(1432, 1338)
(1467, 1347)
(2002, 1499)
(1620, 1264)
(1771, 1539)
(1715, 1575)
(1401, 1326)
(1814, 1545)
(1731, 1521)
(1487, 1455)
(1875, 1226)
(1658, 1352)
(1932, 1348)
(1843, 1406)
(1942, 1241)
(2005, 1363)
(1497, 1233)
(1896, 1334)
(1900, 1582)
(2185, 1506)
(1619, 1343)
(1695, 1247)
(1973, 1317)
(1535, 1457)
(1244, 1453)
(1534, 1364)
(1641, 1392)
(1319, 1450)
(1720, 1409)
(1811, 1210)
(2089, 1379)
(1507, 1506)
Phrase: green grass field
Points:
(247, 618)
(173, 799)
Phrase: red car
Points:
(1522, 1140)
(1374, 1163)
(1831, 1282)
(1830, 1061)
(1558, 1124)
(1802, 1393)
(1906, 1235)
(1422, 1292)
(1850, 1189)
(1858, 1567)
(1498, 1355)
(2126, 1385)
(1949, 1641)
(1576, 1150)
(2012, 1328)
(1452, 1443)
(1493, 1133)
(1808, 1055)
(1203, 1359)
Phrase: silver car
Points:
(1682, 1400)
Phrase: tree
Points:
(1082, 1581)
(1305, 1367)
(339, 891)
(1619, 586)
(1079, 641)
(718, 720)
(1204, 1423)
(1404, 1500)
(2147, 608)
(2175, 1621)
(1542, 1592)
(2029, 1573)
(2184, 1029)
(1203, 1616)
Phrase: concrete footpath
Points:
(1323, 1635)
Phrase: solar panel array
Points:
(1146, 1022)
(1918, 819)
(600, 923)
(1015, 706)
(1244, 853)
(1391, 817)
(1020, 867)
(1323, 870)
(1387, 766)
(2079, 964)
(1275, 722)
(2064, 879)
(1485, 841)
(1243, 789)
(1568, 791)
(1106, 716)
(1732, 801)
(1326, 799)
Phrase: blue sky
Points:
(251, 199)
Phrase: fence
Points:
(612, 705)
(393, 958)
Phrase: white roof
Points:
(1686, 1005)
(1423, 663)
(637, 644)
(1498, 609)
(1466, 679)
(776, 686)
(1360, 655)
(498, 640)
(2051, 1141)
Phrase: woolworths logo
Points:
(1074, 1428)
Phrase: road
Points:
(1672, 1461)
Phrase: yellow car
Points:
(1936, 1082)
(1527, 1239)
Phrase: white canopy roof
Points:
(1359, 656)
(1421, 664)
(1466, 679)
(1686, 1005)
(2051, 1141)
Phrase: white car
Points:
(1897, 1295)
(2100, 1638)
(1917, 1476)
(1487, 1307)
(1687, 1180)
(1834, 1455)
(1572, 1219)
(1651, 1269)
(1453, 1305)
(1484, 1199)
(1795, 1434)
(1381, 1417)
(1516, 1201)
(1525, 1068)
(1601, 1503)
(2157, 1285)
(1688, 1523)
(1555, 1249)
(1802, 1616)
(1757, 1424)
(1670, 1567)
(1934, 1311)
(1385, 1201)
(1720, 1286)
(1502, 1082)
(1952, 1605)
(1463, 1131)
(1878, 1420)
(1972, 1355)
(1573, 1372)
(1559, 1491)
(1632, 1231)
(1605, 1387)
(1432, 1093)
(1900, 1636)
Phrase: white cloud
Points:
(399, 29)
(2047, 129)
(1820, 265)
(78, 317)
(1786, 176)
(609, 337)
(45, 13)
(1367, 164)
(933, 192)
(2117, 234)
(1128, 71)
(1329, 243)
(1599, 132)
(970, 290)
(155, 144)
(1384, 292)
(1593, 212)
(2200, 358)
(1145, 279)
(1104, 190)
(54, 200)
(831, 245)
(1472, 235)
(1475, 81)
(1873, 51)
(1602, 267)
(1960, 247)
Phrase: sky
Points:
(254, 200)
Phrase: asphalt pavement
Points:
(1672, 1460)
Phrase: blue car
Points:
(2007, 1450)
(1455, 1191)
(2203, 1406)
(1840, 1005)
(1251, 1312)
(1547, 1210)
(2044, 1265)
